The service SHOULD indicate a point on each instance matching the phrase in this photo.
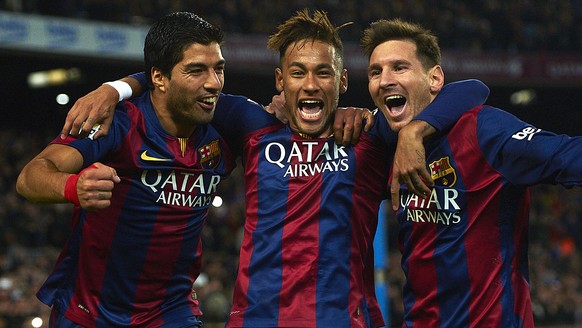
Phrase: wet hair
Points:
(168, 38)
(427, 46)
(305, 26)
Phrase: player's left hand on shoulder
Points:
(349, 122)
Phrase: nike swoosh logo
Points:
(146, 157)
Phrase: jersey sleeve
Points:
(141, 78)
(237, 116)
(95, 150)
(453, 101)
(527, 155)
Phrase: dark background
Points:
(555, 108)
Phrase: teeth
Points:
(393, 97)
(209, 100)
(314, 115)
(310, 102)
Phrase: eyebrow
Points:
(200, 64)
(319, 66)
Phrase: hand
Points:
(96, 107)
(409, 164)
(348, 122)
(95, 186)
(277, 107)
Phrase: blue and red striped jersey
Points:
(465, 247)
(311, 215)
(134, 262)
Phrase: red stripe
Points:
(98, 229)
(423, 278)
(241, 287)
(301, 228)
(370, 183)
(482, 238)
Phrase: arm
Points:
(526, 155)
(410, 160)
(44, 179)
(97, 106)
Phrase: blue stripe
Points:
(335, 246)
(510, 201)
(263, 293)
(450, 253)
(120, 257)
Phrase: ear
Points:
(279, 80)
(437, 79)
(343, 81)
(158, 79)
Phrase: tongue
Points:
(310, 109)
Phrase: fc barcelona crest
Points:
(209, 155)
(442, 172)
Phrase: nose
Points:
(213, 81)
(387, 79)
(310, 83)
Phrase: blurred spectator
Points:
(489, 25)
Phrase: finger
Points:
(357, 129)
(369, 121)
(395, 194)
(426, 177)
(338, 127)
(66, 127)
(420, 187)
(348, 135)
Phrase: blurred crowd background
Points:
(32, 235)
(520, 25)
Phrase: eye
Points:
(399, 68)
(325, 73)
(219, 70)
(296, 73)
(195, 71)
(373, 72)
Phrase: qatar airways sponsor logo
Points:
(177, 188)
(305, 158)
(441, 207)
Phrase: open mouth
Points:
(208, 102)
(395, 103)
(310, 109)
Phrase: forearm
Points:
(135, 85)
(453, 101)
(41, 182)
(417, 129)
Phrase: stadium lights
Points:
(523, 97)
(53, 77)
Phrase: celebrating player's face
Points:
(312, 78)
(399, 84)
(195, 84)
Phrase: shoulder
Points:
(230, 101)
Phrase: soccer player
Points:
(142, 192)
(311, 204)
(464, 247)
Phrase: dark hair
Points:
(168, 38)
(305, 26)
(427, 46)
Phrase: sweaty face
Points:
(312, 77)
(398, 83)
(196, 81)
